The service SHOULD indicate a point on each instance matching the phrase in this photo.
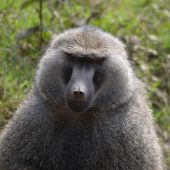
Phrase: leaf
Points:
(28, 3)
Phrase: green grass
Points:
(142, 24)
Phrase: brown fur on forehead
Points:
(88, 41)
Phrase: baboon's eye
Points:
(97, 60)
(67, 72)
(72, 57)
(94, 60)
(98, 78)
(90, 61)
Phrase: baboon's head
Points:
(85, 68)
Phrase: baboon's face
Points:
(82, 77)
(85, 68)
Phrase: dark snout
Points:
(80, 90)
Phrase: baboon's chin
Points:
(77, 107)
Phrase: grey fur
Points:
(117, 131)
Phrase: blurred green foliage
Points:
(143, 25)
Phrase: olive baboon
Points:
(87, 110)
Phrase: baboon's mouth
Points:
(77, 106)
(78, 101)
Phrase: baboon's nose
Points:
(79, 92)
(79, 95)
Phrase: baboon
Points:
(86, 111)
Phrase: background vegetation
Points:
(144, 25)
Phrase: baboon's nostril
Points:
(78, 93)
